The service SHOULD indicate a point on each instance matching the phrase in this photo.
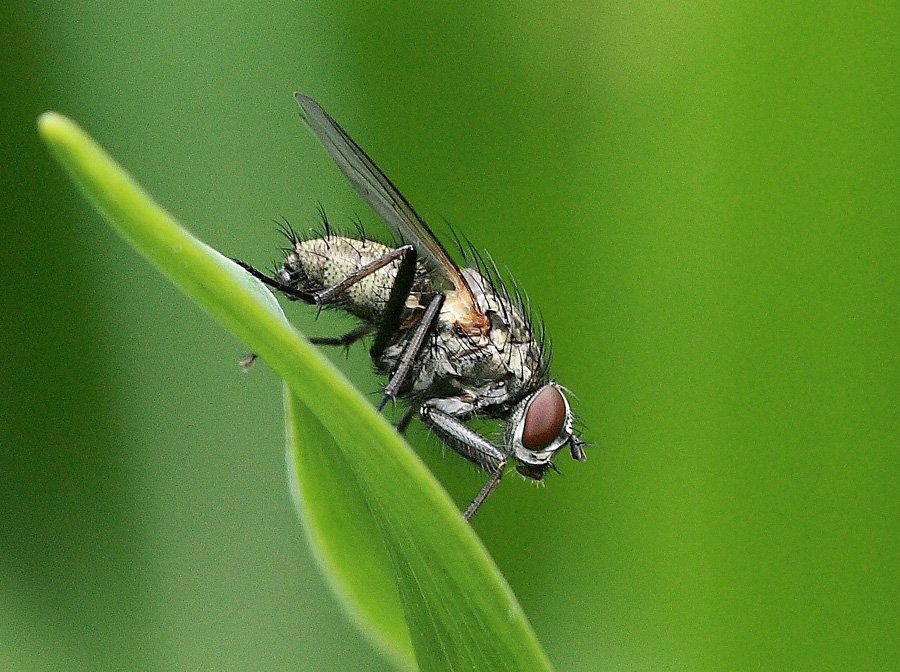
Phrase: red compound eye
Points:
(544, 419)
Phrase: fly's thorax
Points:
(501, 307)
(511, 334)
(319, 263)
(493, 369)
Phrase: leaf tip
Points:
(51, 125)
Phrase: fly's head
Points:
(540, 426)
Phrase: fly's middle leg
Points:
(407, 417)
(412, 350)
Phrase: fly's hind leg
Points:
(346, 340)
(322, 297)
(472, 446)
(393, 313)
(391, 317)
(293, 293)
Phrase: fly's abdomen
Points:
(320, 263)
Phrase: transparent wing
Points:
(376, 189)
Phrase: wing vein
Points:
(376, 189)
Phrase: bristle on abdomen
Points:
(320, 263)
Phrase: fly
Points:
(455, 343)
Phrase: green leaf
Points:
(410, 570)
(336, 517)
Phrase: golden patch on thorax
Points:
(458, 311)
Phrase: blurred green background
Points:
(703, 201)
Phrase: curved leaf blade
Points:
(336, 517)
(460, 613)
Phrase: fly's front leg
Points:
(484, 493)
(472, 446)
